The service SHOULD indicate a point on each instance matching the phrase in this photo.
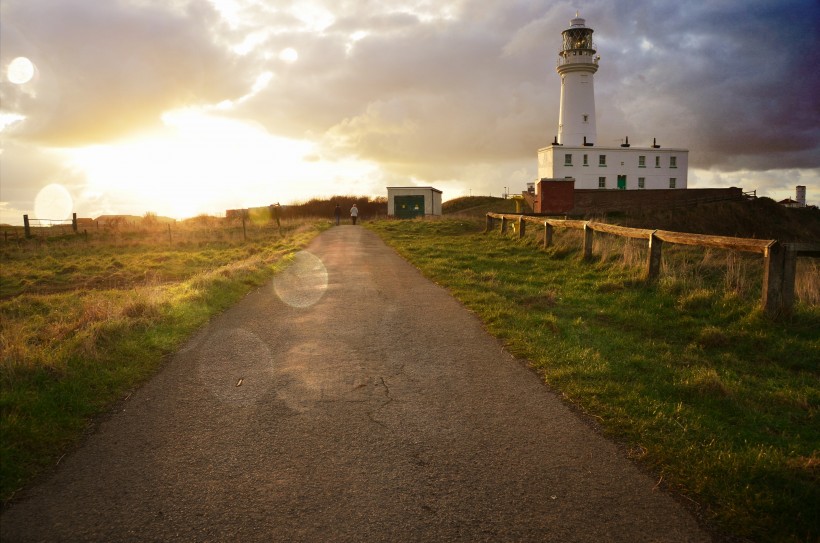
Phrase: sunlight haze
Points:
(199, 106)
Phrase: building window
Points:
(672, 182)
(673, 162)
(642, 161)
(567, 160)
(602, 182)
(586, 160)
(601, 160)
(642, 182)
(657, 162)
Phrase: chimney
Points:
(626, 144)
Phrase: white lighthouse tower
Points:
(577, 64)
(576, 153)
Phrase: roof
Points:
(417, 188)
(631, 148)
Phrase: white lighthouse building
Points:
(575, 152)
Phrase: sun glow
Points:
(202, 163)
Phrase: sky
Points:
(184, 107)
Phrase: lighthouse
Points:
(578, 155)
(577, 65)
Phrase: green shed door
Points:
(622, 182)
(409, 207)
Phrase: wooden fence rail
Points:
(779, 259)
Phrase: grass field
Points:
(85, 320)
(719, 402)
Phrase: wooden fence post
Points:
(26, 226)
(588, 232)
(503, 224)
(774, 267)
(74, 222)
(654, 259)
(489, 226)
(522, 226)
(547, 234)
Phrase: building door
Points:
(622, 182)
(409, 207)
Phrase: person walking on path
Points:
(354, 214)
(338, 213)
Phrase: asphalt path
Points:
(350, 399)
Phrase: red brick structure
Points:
(559, 197)
(554, 196)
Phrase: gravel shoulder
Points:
(350, 399)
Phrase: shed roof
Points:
(417, 188)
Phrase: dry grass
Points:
(807, 281)
(700, 276)
(81, 321)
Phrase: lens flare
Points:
(303, 283)
(289, 55)
(20, 71)
(236, 366)
(53, 202)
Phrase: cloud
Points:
(422, 93)
(26, 169)
(727, 80)
(105, 69)
(458, 93)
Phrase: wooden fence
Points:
(779, 259)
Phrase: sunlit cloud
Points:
(9, 119)
(189, 107)
(201, 163)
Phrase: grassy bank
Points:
(82, 322)
(716, 400)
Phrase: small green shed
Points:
(412, 202)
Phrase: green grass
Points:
(717, 400)
(82, 324)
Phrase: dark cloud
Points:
(108, 68)
(730, 81)
(430, 90)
